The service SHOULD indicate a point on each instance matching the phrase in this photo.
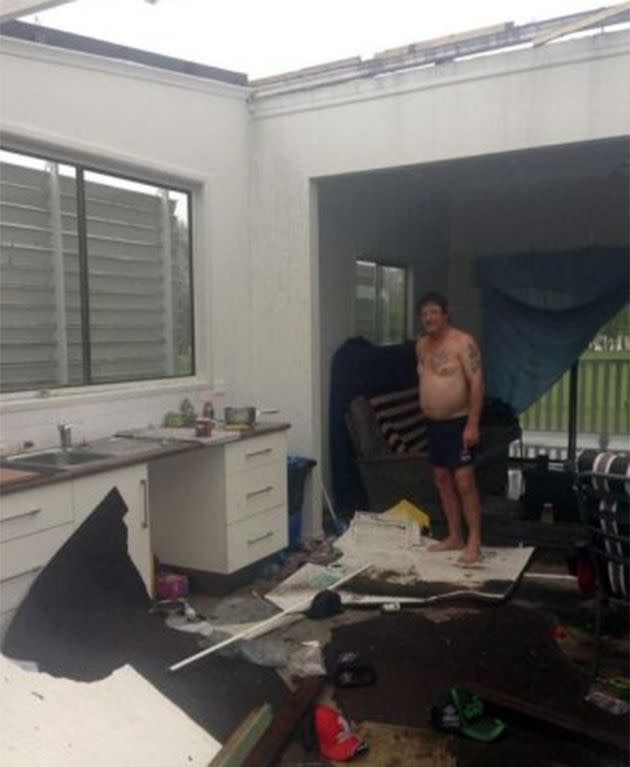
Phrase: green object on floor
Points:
(474, 723)
(620, 685)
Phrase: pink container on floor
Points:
(171, 586)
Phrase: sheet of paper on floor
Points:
(401, 558)
(121, 720)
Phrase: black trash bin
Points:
(545, 484)
(298, 469)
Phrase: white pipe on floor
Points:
(295, 608)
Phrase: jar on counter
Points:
(203, 427)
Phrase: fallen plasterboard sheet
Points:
(410, 571)
(413, 575)
(304, 583)
(121, 720)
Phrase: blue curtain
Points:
(540, 312)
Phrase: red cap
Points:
(336, 739)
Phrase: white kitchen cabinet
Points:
(223, 507)
(132, 484)
(34, 525)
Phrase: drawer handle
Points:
(145, 504)
(254, 453)
(262, 490)
(30, 513)
(263, 537)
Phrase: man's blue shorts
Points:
(446, 443)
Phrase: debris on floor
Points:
(503, 655)
(382, 670)
(390, 745)
(88, 614)
(320, 552)
(602, 696)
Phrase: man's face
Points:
(434, 319)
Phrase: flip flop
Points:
(475, 723)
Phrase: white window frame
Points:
(38, 145)
(381, 264)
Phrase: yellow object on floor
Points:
(410, 512)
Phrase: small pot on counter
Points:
(243, 417)
(203, 427)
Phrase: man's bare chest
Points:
(441, 361)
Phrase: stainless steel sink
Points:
(55, 459)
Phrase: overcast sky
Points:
(263, 37)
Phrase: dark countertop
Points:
(154, 449)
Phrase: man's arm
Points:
(471, 361)
(419, 349)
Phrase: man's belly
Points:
(443, 398)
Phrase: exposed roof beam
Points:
(13, 9)
(498, 37)
(436, 42)
(592, 20)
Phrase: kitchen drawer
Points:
(30, 511)
(250, 492)
(257, 537)
(14, 589)
(255, 452)
(23, 554)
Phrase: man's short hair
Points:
(432, 297)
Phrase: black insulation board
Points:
(88, 614)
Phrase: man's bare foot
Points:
(470, 556)
(448, 544)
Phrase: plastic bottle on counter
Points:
(208, 410)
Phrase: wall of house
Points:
(376, 217)
(255, 168)
(150, 124)
(570, 92)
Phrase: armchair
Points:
(387, 433)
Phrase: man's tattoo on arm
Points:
(474, 358)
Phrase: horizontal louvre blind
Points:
(127, 284)
(28, 343)
(138, 276)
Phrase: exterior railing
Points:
(603, 398)
(603, 410)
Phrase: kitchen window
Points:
(380, 302)
(95, 277)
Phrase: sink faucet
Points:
(65, 435)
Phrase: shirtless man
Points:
(451, 395)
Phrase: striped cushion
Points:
(402, 423)
(609, 498)
(606, 463)
(613, 523)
